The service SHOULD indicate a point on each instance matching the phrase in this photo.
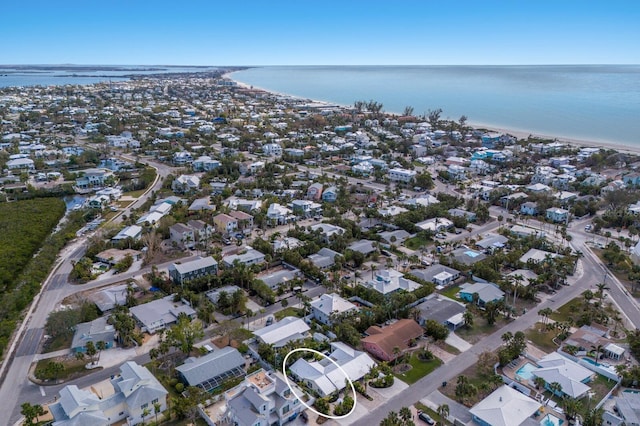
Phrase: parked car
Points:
(226, 242)
(269, 321)
(426, 418)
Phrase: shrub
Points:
(179, 387)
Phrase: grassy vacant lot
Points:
(419, 368)
(566, 311)
(57, 343)
(416, 242)
(451, 292)
(288, 312)
(542, 339)
(73, 368)
(480, 327)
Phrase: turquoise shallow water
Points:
(591, 102)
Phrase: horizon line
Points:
(314, 65)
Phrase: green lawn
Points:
(419, 369)
(433, 414)
(73, 368)
(135, 194)
(566, 311)
(543, 340)
(288, 312)
(451, 292)
(57, 343)
(416, 242)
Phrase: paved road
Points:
(15, 388)
(589, 273)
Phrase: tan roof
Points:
(398, 334)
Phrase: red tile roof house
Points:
(380, 342)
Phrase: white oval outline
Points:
(286, 379)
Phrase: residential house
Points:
(263, 399)
(536, 256)
(323, 259)
(388, 281)
(435, 224)
(25, 164)
(440, 275)
(286, 330)
(571, 376)
(225, 223)
(487, 292)
(315, 191)
(201, 230)
(627, 406)
(525, 232)
(492, 242)
(248, 257)
(132, 231)
(397, 237)
(201, 204)
(94, 331)
(136, 391)
(387, 343)
(205, 164)
(245, 220)
(278, 214)
(182, 235)
(181, 158)
(365, 247)
(557, 215)
(330, 194)
(469, 216)
(93, 178)
(467, 256)
(110, 297)
(272, 149)
(325, 377)
(401, 175)
(210, 371)
(189, 270)
(327, 231)
(441, 309)
(185, 184)
(247, 206)
(506, 407)
(529, 208)
(229, 290)
(327, 306)
(306, 208)
(424, 200)
(281, 277)
(160, 313)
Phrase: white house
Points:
(135, 390)
(185, 183)
(505, 407)
(286, 330)
(325, 377)
(272, 149)
(330, 305)
(21, 164)
(557, 215)
(387, 281)
(401, 175)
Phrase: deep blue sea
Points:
(592, 102)
(77, 74)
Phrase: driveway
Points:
(456, 410)
(458, 342)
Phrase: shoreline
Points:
(521, 134)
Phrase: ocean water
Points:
(591, 102)
(53, 76)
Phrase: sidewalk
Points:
(61, 352)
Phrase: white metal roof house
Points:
(283, 331)
(504, 407)
(387, 281)
(136, 390)
(325, 377)
(328, 305)
(160, 313)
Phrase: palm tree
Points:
(443, 412)
(157, 408)
(572, 407)
(405, 414)
(468, 318)
(555, 388)
(597, 350)
(601, 288)
(145, 413)
(539, 382)
(396, 353)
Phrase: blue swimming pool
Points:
(525, 372)
(550, 420)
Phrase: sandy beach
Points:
(520, 134)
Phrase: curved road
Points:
(16, 388)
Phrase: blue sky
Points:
(329, 32)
